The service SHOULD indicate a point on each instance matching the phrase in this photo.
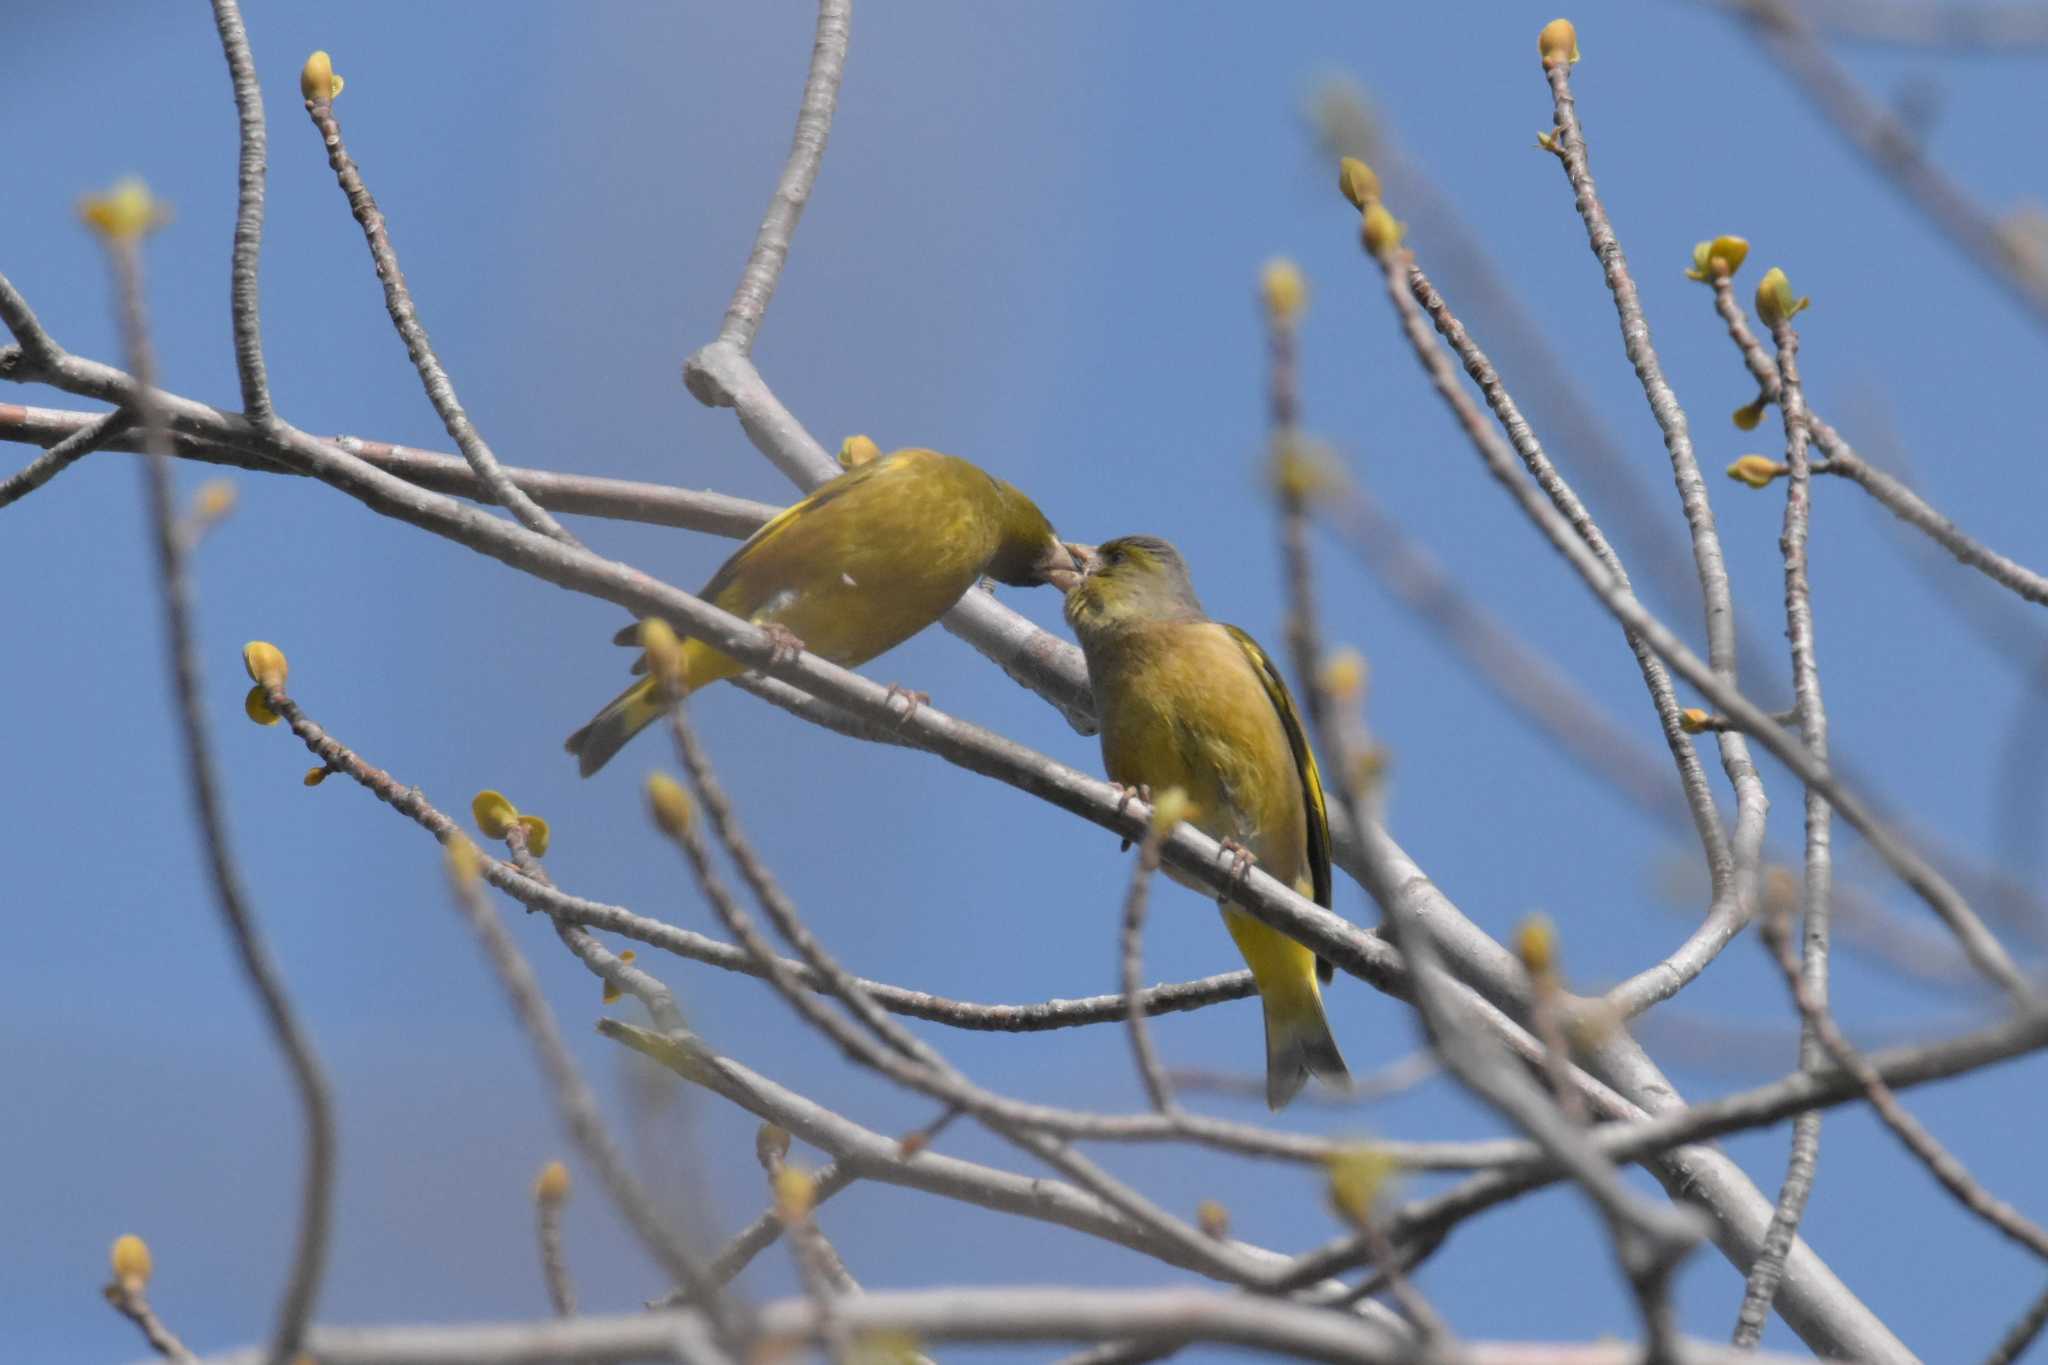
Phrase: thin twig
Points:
(95, 434)
(550, 1192)
(1897, 154)
(1769, 1268)
(244, 289)
(2021, 1334)
(1002, 1313)
(1131, 963)
(132, 1303)
(793, 190)
(316, 1191)
(575, 1100)
(892, 1050)
(398, 303)
(1940, 1162)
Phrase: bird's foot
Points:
(911, 700)
(783, 642)
(1126, 795)
(1240, 859)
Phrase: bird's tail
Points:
(1298, 1039)
(642, 704)
(1299, 1045)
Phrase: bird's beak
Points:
(1064, 565)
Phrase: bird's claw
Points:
(1125, 795)
(1240, 859)
(784, 645)
(911, 700)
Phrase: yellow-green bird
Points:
(862, 564)
(1191, 703)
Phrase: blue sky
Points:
(1033, 243)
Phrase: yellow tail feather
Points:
(1298, 1039)
(642, 704)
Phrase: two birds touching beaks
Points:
(875, 555)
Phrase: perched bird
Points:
(1187, 702)
(862, 564)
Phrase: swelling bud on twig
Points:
(494, 815)
(1558, 42)
(316, 775)
(551, 1186)
(1694, 721)
(1170, 809)
(266, 664)
(771, 1145)
(132, 1263)
(795, 1194)
(1213, 1219)
(1756, 470)
(613, 992)
(1750, 414)
(317, 82)
(1358, 181)
(214, 500)
(1379, 230)
(1344, 674)
(664, 654)
(1775, 302)
(1721, 256)
(256, 706)
(1358, 1175)
(536, 830)
(855, 451)
(1283, 291)
(674, 812)
(125, 213)
(1536, 945)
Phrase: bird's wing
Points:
(773, 529)
(1314, 808)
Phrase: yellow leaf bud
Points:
(265, 662)
(536, 835)
(1213, 1219)
(674, 812)
(1344, 675)
(796, 1193)
(1359, 182)
(1170, 808)
(1558, 42)
(856, 451)
(125, 213)
(1756, 470)
(1749, 414)
(132, 1262)
(1694, 721)
(1283, 291)
(315, 776)
(317, 81)
(911, 1143)
(1775, 302)
(214, 500)
(256, 706)
(494, 815)
(465, 864)
(1302, 467)
(1727, 253)
(1379, 230)
(612, 991)
(664, 653)
(1536, 945)
(551, 1186)
(1359, 1173)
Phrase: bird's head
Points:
(1131, 580)
(1028, 551)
